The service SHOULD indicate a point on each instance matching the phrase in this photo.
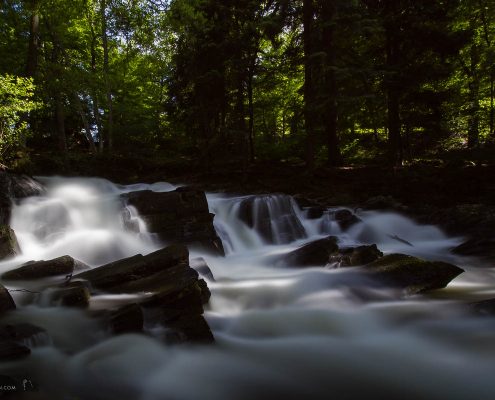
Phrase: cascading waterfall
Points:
(281, 332)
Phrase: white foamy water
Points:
(281, 332)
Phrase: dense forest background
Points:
(324, 82)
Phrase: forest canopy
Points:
(325, 82)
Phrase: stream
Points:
(292, 333)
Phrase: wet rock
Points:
(411, 274)
(316, 253)
(481, 247)
(273, 217)
(10, 351)
(6, 301)
(191, 329)
(21, 333)
(75, 294)
(315, 212)
(16, 340)
(383, 203)
(200, 265)
(165, 269)
(346, 219)
(8, 243)
(354, 256)
(167, 306)
(65, 265)
(127, 319)
(179, 216)
(304, 202)
(484, 307)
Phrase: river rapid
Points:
(287, 333)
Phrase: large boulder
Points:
(8, 243)
(65, 265)
(411, 274)
(175, 295)
(313, 254)
(179, 216)
(273, 217)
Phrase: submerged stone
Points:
(412, 274)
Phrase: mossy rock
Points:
(412, 274)
(8, 243)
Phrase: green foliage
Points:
(16, 101)
(224, 80)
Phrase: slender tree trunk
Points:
(94, 94)
(60, 119)
(492, 111)
(309, 95)
(474, 102)
(106, 72)
(393, 86)
(328, 12)
(251, 114)
(33, 47)
(87, 128)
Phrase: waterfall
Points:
(281, 332)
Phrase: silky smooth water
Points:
(280, 332)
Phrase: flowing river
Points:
(288, 333)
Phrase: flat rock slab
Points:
(65, 265)
(142, 273)
(412, 274)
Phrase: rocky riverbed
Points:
(181, 268)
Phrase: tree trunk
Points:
(492, 111)
(94, 94)
(87, 128)
(309, 94)
(60, 119)
(474, 102)
(251, 114)
(328, 11)
(392, 85)
(33, 47)
(108, 136)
